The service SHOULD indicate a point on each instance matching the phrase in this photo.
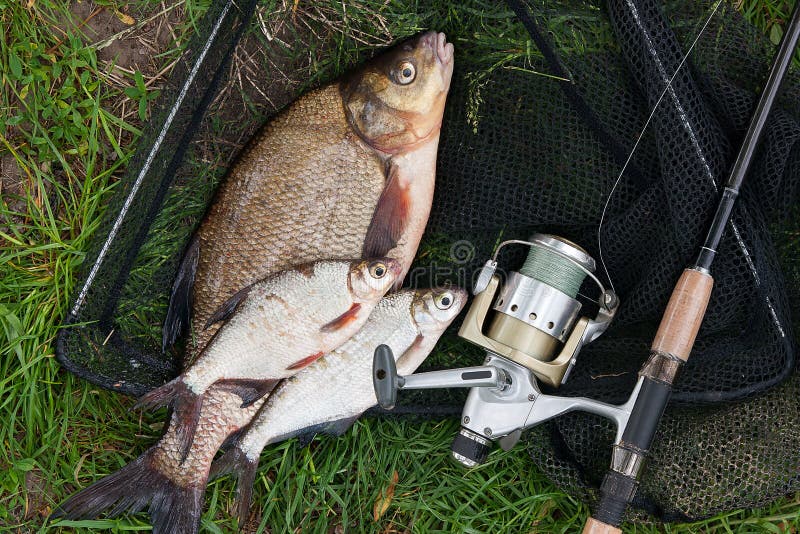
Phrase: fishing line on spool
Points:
(639, 138)
(554, 270)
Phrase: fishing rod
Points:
(682, 318)
(531, 327)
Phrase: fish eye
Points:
(444, 301)
(377, 270)
(405, 73)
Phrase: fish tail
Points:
(235, 461)
(186, 406)
(174, 509)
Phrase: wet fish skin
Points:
(322, 178)
(274, 328)
(282, 320)
(330, 394)
(171, 476)
(287, 201)
(172, 489)
(405, 126)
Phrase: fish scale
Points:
(173, 488)
(316, 184)
(335, 381)
(221, 415)
(346, 171)
(312, 186)
(278, 324)
(273, 329)
(332, 393)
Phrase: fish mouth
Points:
(437, 41)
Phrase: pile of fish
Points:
(284, 286)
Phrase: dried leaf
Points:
(385, 498)
(124, 17)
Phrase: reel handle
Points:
(385, 380)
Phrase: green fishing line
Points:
(548, 267)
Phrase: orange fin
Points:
(390, 218)
(343, 320)
(305, 362)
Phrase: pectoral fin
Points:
(390, 218)
(343, 320)
(305, 362)
(414, 355)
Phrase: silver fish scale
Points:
(278, 324)
(339, 385)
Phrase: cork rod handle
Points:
(593, 526)
(676, 335)
(684, 314)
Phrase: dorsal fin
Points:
(248, 389)
(180, 299)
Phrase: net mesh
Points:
(536, 146)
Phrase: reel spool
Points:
(534, 320)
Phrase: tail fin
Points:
(235, 461)
(174, 509)
(186, 406)
(180, 300)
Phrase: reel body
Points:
(532, 330)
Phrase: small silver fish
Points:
(331, 394)
(275, 328)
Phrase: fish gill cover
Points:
(544, 108)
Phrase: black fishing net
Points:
(536, 144)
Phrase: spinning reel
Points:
(532, 330)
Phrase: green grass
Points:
(69, 127)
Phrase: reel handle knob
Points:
(384, 377)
